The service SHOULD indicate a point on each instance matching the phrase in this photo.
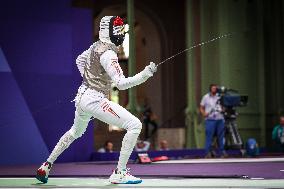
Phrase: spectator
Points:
(211, 110)
(164, 145)
(108, 147)
(142, 146)
(278, 135)
(149, 119)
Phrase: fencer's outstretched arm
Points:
(109, 61)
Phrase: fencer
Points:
(99, 68)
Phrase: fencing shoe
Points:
(43, 172)
(123, 177)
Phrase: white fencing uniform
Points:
(99, 68)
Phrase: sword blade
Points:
(192, 47)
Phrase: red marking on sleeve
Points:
(105, 107)
(116, 66)
(103, 104)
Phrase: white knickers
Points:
(90, 103)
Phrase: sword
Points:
(197, 45)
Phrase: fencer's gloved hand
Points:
(150, 69)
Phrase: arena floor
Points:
(191, 173)
(147, 183)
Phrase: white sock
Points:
(128, 143)
(62, 145)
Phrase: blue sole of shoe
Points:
(129, 182)
(133, 182)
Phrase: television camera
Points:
(229, 100)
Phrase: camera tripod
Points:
(232, 135)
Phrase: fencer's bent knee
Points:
(79, 127)
(135, 126)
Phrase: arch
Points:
(150, 37)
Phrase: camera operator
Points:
(211, 110)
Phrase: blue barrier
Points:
(172, 154)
